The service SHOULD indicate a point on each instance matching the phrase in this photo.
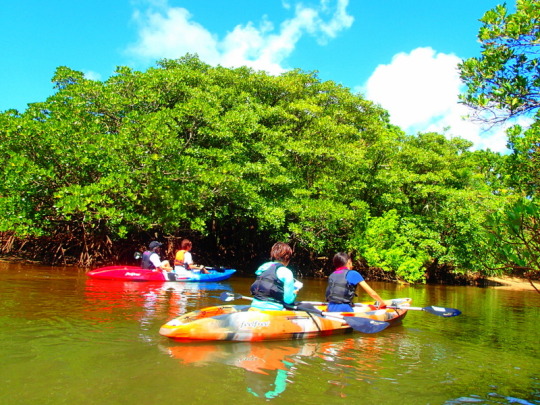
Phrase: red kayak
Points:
(135, 273)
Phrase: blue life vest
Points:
(339, 290)
(267, 286)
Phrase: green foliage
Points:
(185, 147)
(524, 162)
(241, 158)
(460, 229)
(391, 243)
(505, 80)
(515, 235)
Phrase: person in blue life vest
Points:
(342, 285)
(152, 260)
(183, 261)
(275, 286)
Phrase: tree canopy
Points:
(239, 159)
(503, 84)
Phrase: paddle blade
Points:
(227, 296)
(365, 325)
(442, 311)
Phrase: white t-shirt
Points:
(156, 261)
(181, 270)
(188, 258)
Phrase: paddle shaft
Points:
(354, 305)
(434, 310)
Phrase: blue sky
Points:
(401, 54)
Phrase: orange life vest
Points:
(179, 259)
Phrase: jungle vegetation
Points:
(237, 159)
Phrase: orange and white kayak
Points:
(243, 323)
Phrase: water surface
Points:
(68, 339)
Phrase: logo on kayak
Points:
(254, 324)
(128, 274)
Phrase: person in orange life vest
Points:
(152, 260)
(342, 286)
(183, 260)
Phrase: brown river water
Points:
(67, 339)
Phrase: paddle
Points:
(219, 269)
(440, 311)
(435, 310)
(363, 325)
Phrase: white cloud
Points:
(339, 21)
(170, 32)
(91, 75)
(420, 91)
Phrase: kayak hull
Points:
(134, 273)
(242, 323)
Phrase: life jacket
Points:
(339, 290)
(267, 286)
(145, 262)
(179, 259)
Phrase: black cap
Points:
(154, 244)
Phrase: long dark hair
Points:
(340, 259)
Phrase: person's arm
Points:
(188, 261)
(373, 294)
(286, 276)
(188, 258)
(156, 261)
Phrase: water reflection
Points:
(150, 300)
(271, 366)
(493, 398)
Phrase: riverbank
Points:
(513, 283)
